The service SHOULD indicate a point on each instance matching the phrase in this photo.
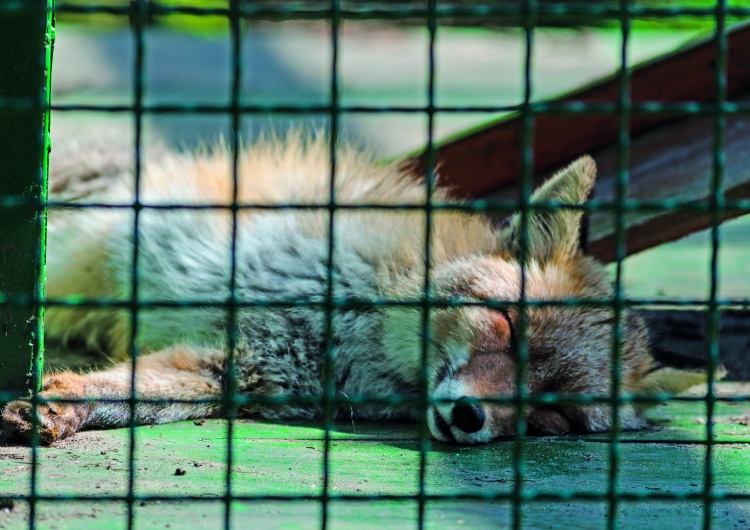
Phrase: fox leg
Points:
(177, 373)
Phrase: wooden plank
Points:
(675, 162)
(25, 60)
(671, 162)
(489, 158)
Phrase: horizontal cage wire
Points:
(563, 445)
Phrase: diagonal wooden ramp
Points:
(671, 129)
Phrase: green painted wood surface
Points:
(368, 460)
(25, 60)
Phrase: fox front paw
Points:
(55, 420)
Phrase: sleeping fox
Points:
(280, 263)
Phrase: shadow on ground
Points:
(368, 461)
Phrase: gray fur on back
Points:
(280, 350)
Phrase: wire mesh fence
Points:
(525, 15)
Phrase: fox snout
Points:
(463, 417)
(474, 405)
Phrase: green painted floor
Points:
(368, 460)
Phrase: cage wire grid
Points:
(431, 13)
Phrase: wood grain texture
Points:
(672, 162)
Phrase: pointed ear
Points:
(553, 232)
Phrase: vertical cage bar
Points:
(26, 40)
(424, 432)
(138, 20)
(618, 307)
(529, 15)
(716, 205)
(230, 396)
(26, 44)
(327, 399)
(37, 360)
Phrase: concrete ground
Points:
(367, 461)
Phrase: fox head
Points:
(569, 347)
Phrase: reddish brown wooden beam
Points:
(672, 162)
(663, 229)
(487, 159)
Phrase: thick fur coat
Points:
(282, 256)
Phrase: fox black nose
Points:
(469, 417)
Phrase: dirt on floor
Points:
(180, 475)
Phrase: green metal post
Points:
(26, 41)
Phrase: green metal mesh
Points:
(524, 14)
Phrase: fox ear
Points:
(553, 232)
